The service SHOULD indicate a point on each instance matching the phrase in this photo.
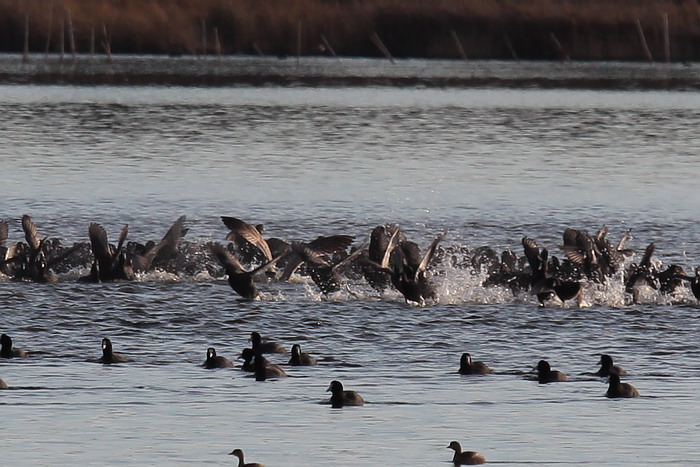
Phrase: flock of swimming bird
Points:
(256, 363)
(388, 259)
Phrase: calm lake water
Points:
(489, 165)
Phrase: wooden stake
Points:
(204, 36)
(327, 45)
(380, 45)
(458, 43)
(642, 39)
(92, 41)
(61, 42)
(298, 42)
(506, 39)
(563, 56)
(48, 33)
(71, 36)
(106, 43)
(25, 52)
(217, 44)
(667, 40)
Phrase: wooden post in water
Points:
(217, 44)
(298, 42)
(61, 40)
(327, 45)
(204, 37)
(71, 36)
(642, 39)
(48, 30)
(563, 56)
(458, 43)
(380, 45)
(25, 50)
(506, 39)
(667, 40)
(106, 43)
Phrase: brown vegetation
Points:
(528, 29)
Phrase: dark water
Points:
(489, 166)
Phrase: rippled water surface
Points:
(489, 166)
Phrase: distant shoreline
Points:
(576, 30)
(146, 70)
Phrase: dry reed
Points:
(586, 29)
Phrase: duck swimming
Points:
(300, 358)
(465, 457)
(247, 356)
(469, 367)
(261, 347)
(545, 374)
(7, 351)
(341, 397)
(241, 462)
(108, 356)
(265, 370)
(618, 389)
(216, 361)
(607, 368)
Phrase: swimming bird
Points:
(340, 397)
(240, 280)
(618, 389)
(110, 263)
(247, 356)
(265, 370)
(469, 367)
(164, 250)
(545, 374)
(465, 457)
(261, 347)
(241, 463)
(108, 356)
(607, 367)
(7, 351)
(300, 358)
(216, 361)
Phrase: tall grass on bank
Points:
(584, 29)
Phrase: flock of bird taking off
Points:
(387, 260)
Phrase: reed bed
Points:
(483, 29)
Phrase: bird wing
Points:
(30, 232)
(249, 233)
